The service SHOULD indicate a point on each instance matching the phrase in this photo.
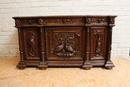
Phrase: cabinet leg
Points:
(42, 65)
(21, 65)
(87, 65)
(109, 65)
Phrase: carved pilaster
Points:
(109, 63)
(42, 64)
(21, 64)
(87, 64)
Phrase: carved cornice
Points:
(69, 21)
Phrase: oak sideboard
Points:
(71, 41)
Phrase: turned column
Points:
(87, 64)
(43, 64)
(21, 64)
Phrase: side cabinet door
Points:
(31, 43)
(98, 37)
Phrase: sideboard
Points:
(77, 41)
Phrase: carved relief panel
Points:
(98, 42)
(64, 43)
(31, 43)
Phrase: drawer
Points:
(64, 22)
(91, 21)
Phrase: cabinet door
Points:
(31, 43)
(98, 40)
(64, 43)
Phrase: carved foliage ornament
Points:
(40, 21)
(56, 21)
(96, 20)
(29, 22)
(62, 21)
(33, 21)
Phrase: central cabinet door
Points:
(64, 43)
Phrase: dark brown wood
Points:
(82, 41)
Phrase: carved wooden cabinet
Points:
(82, 41)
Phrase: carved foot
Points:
(42, 65)
(109, 65)
(21, 65)
(87, 65)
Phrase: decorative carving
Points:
(62, 21)
(31, 44)
(96, 20)
(31, 21)
(98, 43)
(88, 20)
(64, 43)
(112, 20)
(17, 22)
(40, 21)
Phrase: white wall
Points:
(10, 8)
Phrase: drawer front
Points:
(64, 22)
(31, 43)
(50, 21)
(64, 43)
(97, 21)
(98, 42)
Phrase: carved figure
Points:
(31, 44)
(59, 47)
(98, 43)
(69, 48)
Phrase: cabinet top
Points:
(61, 16)
(68, 20)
